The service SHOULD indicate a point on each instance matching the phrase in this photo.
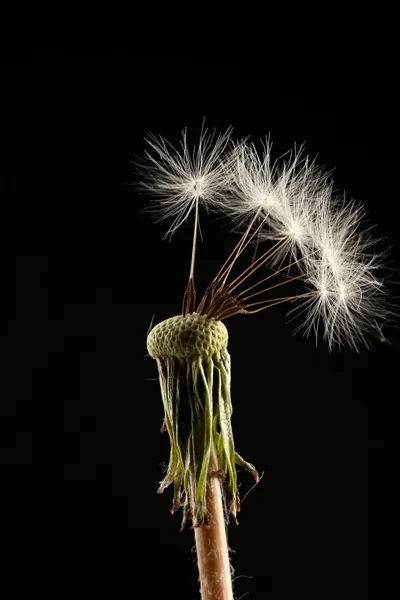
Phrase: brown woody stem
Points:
(212, 544)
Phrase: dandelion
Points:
(348, 298)
(291, 207)
(347, 306)
(179, 178)
(284, 197)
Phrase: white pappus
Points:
(292, 207)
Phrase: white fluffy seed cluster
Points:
(294, 207)
(190, 336)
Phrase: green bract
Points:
(195, 373)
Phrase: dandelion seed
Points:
(178, 178)
(285, 197)
(348, 298)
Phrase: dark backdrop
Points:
(84, 271)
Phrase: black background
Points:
(84, 270)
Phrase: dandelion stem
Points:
(273, 275)
(239, 248)
(269, 288)
(233, 308)
(211, 302)
(211, 542)
(271, 302)
(256, 265)
(189, 298)
(196, 224)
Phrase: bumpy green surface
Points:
(187, 337)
